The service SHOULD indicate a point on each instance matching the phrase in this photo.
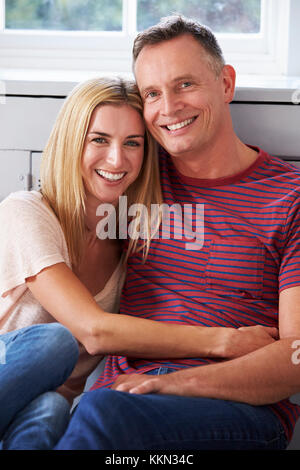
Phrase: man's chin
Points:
(177, 152)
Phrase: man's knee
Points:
(101, 421)
(103, 399)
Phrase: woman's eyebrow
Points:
(100, 133)
(108, 135)
(135, 136)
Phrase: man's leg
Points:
(37, 359)
(112, 420)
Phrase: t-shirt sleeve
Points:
(31, 239)
(289, 273)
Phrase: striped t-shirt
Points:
(246, 228)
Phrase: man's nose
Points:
(170, 104)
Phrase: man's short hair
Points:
(177, 25)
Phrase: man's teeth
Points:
(179, 125)
(110, 176)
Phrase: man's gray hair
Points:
(173, 26)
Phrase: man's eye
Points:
(185, 84)
(151, 94)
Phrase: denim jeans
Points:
(107, 419)
(35, 361)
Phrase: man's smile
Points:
(179, 125)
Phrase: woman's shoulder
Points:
(28, 208)
(22, 196)
(28, 201)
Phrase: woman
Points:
(59, 280)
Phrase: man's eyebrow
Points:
(148, 88)
(183, 77)
(174, 80)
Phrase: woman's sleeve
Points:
(31, 239)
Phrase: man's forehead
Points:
(164, 46)
(180, 64)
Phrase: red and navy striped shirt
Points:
(250, 253)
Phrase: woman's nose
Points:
(115, 157)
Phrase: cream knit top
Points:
(32, 239)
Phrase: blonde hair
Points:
(61, 181)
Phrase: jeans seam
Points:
(234, 436)
(218, 439)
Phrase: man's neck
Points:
(217, 162)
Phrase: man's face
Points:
(184, 99)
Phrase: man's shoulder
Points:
(280, 165)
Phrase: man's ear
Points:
(228, 78)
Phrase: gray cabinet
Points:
(14, 171)
(35, 170)
(26, 123)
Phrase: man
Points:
(247, 273)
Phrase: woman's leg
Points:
(38, 359)
(39, 425)
(111, 420)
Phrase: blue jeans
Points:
(107, 419)
(35, 361)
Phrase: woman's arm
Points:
(64, 296)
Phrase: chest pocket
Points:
(235, 267)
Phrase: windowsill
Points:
(250, 88)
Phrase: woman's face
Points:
(113, 152)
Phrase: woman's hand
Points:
(236, 342)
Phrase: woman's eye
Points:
(132, 143)
(99, 140)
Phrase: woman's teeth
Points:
(179, 125)
(110, 176)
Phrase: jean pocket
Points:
(235, 267)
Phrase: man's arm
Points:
(264, 376)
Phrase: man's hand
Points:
(266, 375)
(234, 343)
(174, 383)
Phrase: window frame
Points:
(272, 51)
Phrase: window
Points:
(97, 35)
(60, 15)
(222, 16)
